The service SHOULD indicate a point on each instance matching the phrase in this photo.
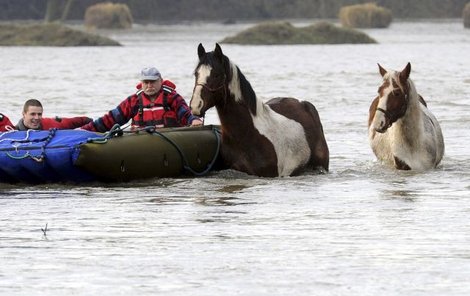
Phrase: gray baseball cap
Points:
(150, 73)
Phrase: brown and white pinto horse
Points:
(403, 133)
(282, 137)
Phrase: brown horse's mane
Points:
(248, 94)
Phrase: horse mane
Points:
(412, 92)
(240, 86)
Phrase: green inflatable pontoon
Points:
(168, 152)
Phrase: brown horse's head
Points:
(392, 101)
(211, 75)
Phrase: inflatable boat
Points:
(80, 156)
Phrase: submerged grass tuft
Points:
(269, 33)
(49, 34)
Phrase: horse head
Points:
(392, 100)
(211, 75)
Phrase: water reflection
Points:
(232, 188)
(169, 200)
(404, 195)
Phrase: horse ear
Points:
(405, 73)
(201, 51)
(218, 51)
(382, 70)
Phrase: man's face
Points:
(151, 87)
(32, 117)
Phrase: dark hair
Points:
(31, 102)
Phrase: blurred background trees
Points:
(466, 16)
(177, 10)
(57, 10)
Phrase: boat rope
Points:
(115, 131)
(14, 140)
(186, 165)
(42, 155)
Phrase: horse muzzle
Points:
(383, 127)
(381, 130)
(383, 122)
(196, 107)
(198, 112)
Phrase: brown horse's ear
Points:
(382, 70)
(218, 51)
(201, 51)
(405, 73)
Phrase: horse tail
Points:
(320, 155)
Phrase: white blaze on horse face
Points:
(379, 120)
(196, 104)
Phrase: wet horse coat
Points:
(403, 133)
(282, 137)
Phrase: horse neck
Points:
(411, 123)
(234, 119)
(240, 103)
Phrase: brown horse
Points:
(403, 133)
(282, 137)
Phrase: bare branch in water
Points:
(44, 230)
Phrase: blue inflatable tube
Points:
(43, 156)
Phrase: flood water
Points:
(361, 229)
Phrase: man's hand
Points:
(196, 122)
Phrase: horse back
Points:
(307, 115)
(433, 134)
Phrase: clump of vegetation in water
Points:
(466, 16)
(108, 16)
(285, 33)
(367, 15)
(49, 34)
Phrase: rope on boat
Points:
(115, 131)
(11, 139)
(42, 156)
(186, 165)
